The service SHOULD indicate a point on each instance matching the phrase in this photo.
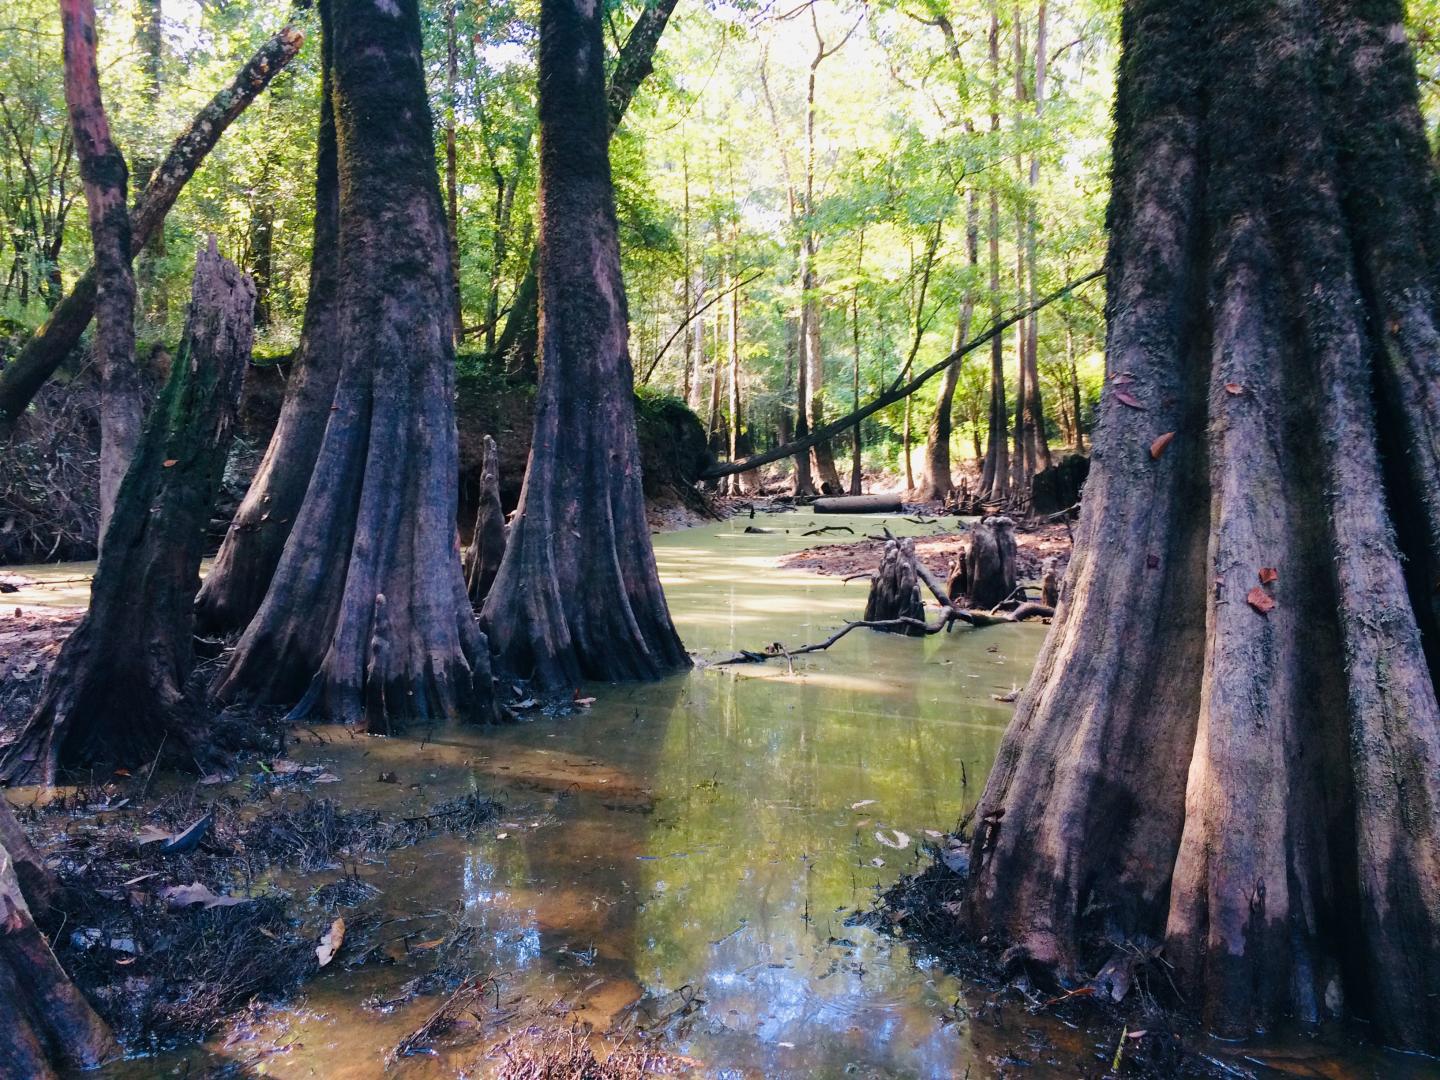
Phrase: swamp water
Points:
(685, 855)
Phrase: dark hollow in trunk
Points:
(49, 1028)
(1058, 486)
(1235, 693)
(895, 589)
(367, 613)
(116, 694)
(578, 595)
(990, 562)
(487, 544)
(237, 582)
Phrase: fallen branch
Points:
(777, 650)
(51, 344)
(890, 397)
(690, 318)
(829, 528)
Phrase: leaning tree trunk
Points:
(116, 694)
(578, 595)
(237, 582)
(102, 167)
(1231, 741)
(367, 613)
(48, 1026)
(487, 544)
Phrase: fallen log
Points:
(858, 504)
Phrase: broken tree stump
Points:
(991, 561)
(116, 694)
(487, 543)
(895, 588)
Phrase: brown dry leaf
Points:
(1128, 399)
(434, 943)
(1234, 388)
(1268, 575)
(331, 942)
(169, 463)
(1260, 600)
(1158, 446)
(183, 896)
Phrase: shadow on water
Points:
(704, 837)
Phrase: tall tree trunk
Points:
(1070, 365)
(368, 608)
(50, 1029)
(856, 445)
(1241, 702)
(578, 595)
(150, 43)
(1036, 406)
(261, 245)
(452, 163)
(520, 338)
(995, 476)
(233, 590)
(102, 168)
(737, 482)
(116, 694)
(937, 482)
(803, 482)
(48, 347)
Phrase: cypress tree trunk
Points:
(1240, 703)
(578, 595)
(48, 1026)
(368, 608)
(487, 543)
(236, 585)
(116, 694)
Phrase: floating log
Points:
(858, 504)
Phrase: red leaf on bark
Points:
(1158, 446)
(1268, 575)
(1234, 388)
(1128, 399)
(169, 463)
(1260, 600)
(1121, 378)
(1152, 562)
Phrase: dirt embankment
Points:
(1036, 546)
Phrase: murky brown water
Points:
(706, 836)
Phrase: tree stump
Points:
(895, 588)
(48, 1025)
(487, 543)
(991, 562)
(116, 694)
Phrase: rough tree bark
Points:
(367, 607)
(487, 544)
(1231, 741)
(519, 340)
(990, 562)
(116, 694)
(237, 582)
(895, 589)
(47, 348)
(49, 1026)
(995, 474)
(102, 168)
(578, 595)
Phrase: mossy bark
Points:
(237, 582)
(578, 595)
(367, 615)
(1231, 742)
(116, 694)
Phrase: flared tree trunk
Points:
(578, 595)
(116, 694)
(1231, 741)
(236, 585)
(49, 1028)
(367, 613)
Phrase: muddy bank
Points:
(1038, 546)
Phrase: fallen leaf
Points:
(897, 839)
(1128, 399)
(434, 943)
(169, 463)
(183, 896)
(933, 834)
(1260, 600)
(327, 778)
(1268, 575)
(502, 836)
(285, 767)
(1158, 446)
(877, 862)
(331, 942)
(862, 802)
(151, 835)
(585, 702)
(1234, 388)
(122, 772)
(1138, 1034)
(215, 778)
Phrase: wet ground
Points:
(683, 857)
